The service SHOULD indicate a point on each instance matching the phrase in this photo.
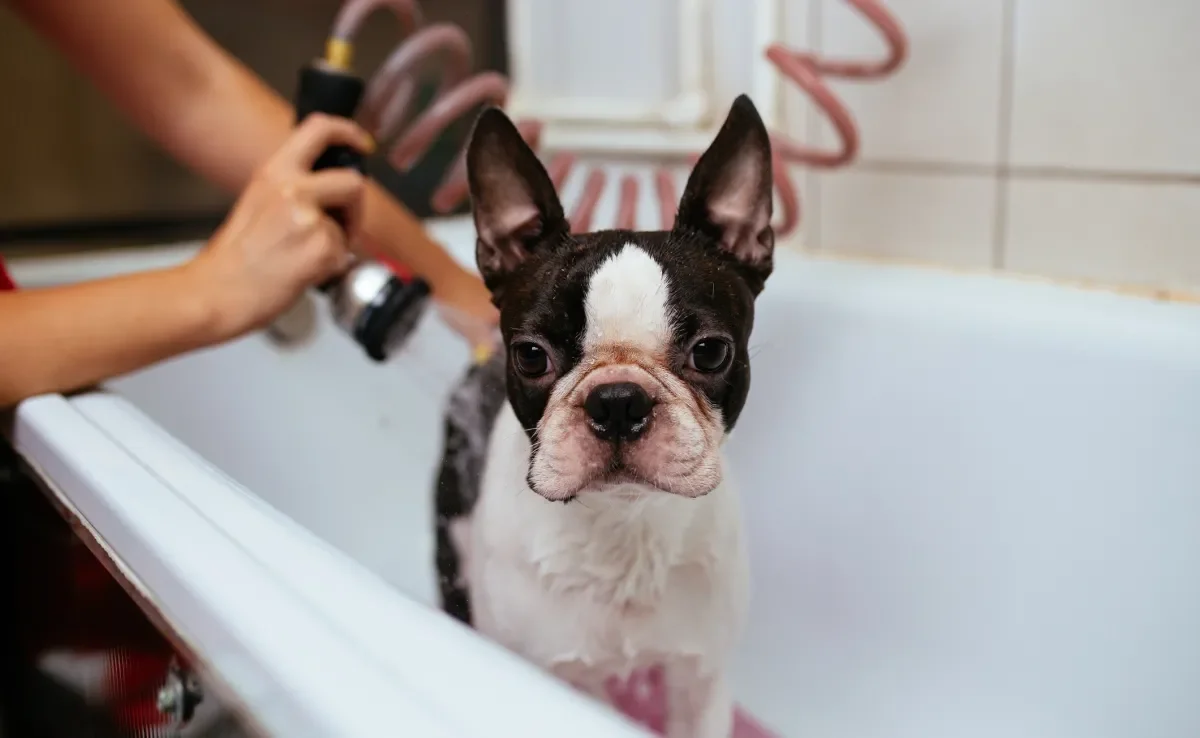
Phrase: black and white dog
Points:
(586, 517)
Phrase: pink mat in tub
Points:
(642, 698)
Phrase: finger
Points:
(337, 193)
(315, 134)
(329, 253)
(352, 219)
(331, 187)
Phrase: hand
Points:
(279, 240)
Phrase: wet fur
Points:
(623, 575)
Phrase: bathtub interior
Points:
(973, 503)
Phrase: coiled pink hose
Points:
(445, 48)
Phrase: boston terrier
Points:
(586, 517)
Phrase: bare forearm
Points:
(65, 338)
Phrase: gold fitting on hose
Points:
(339, 53)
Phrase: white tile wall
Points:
(797, 33)
(945, 218)
(1129, 232)
(1052, 136)
(1107, 84)
(943, 105)
(799, 122)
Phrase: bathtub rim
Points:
(92, 452)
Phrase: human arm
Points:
(212, 113)
(63, 338)
(276, 242)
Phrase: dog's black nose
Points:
(618, 411)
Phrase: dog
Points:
(586, 517)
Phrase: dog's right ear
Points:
(512, 198)
(728, 195)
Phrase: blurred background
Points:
(1054, 137)
(76, 174)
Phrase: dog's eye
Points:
(709, 355)
(531, 359)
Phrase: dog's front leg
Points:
(699, 705)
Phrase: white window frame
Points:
(676, 128)
(689, 109)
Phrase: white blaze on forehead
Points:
(627, 303)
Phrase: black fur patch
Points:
(470, 416)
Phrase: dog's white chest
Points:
(597, 587)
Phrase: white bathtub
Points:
(973, 502)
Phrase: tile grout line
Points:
(1008, 63)
(812, 208)
(967, 169)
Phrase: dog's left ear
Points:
(512, 198)
(728, 195)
